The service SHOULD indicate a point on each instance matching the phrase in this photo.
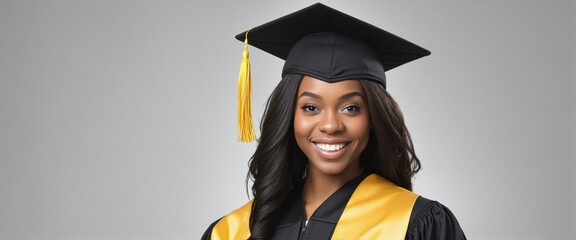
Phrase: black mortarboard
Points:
(329, 45)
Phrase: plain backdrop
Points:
(118, 118)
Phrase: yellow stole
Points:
(378, 209)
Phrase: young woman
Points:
(335, 159)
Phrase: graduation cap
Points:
(326, 44)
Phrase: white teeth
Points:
(330, 147)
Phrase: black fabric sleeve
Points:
(208, 233)
(432, 220)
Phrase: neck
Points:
(319, 186)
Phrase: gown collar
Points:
(329, 211)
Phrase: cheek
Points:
(359, 128)
(303, 126)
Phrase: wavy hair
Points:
(278, 165)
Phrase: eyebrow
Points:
(345, 96)
(349, 95)
(309, 94)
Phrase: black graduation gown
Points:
(428, 220)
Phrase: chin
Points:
(330, 168)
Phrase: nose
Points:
(330, 123)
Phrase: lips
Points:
(330, 148)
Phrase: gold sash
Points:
(378, 209)
(235, 225)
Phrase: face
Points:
(331, 125)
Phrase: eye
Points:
(309, 108)
(351, 108)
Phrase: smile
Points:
(330, 147)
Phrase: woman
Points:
(335, 159)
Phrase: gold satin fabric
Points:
(378, 209)
(235, 225)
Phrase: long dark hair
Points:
(390, 152)
(278, 165)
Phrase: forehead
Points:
(316, 86)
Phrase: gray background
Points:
(118, 118)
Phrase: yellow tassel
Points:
(245, 125)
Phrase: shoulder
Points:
(232, 226)
(432, 220)
(208, 233)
